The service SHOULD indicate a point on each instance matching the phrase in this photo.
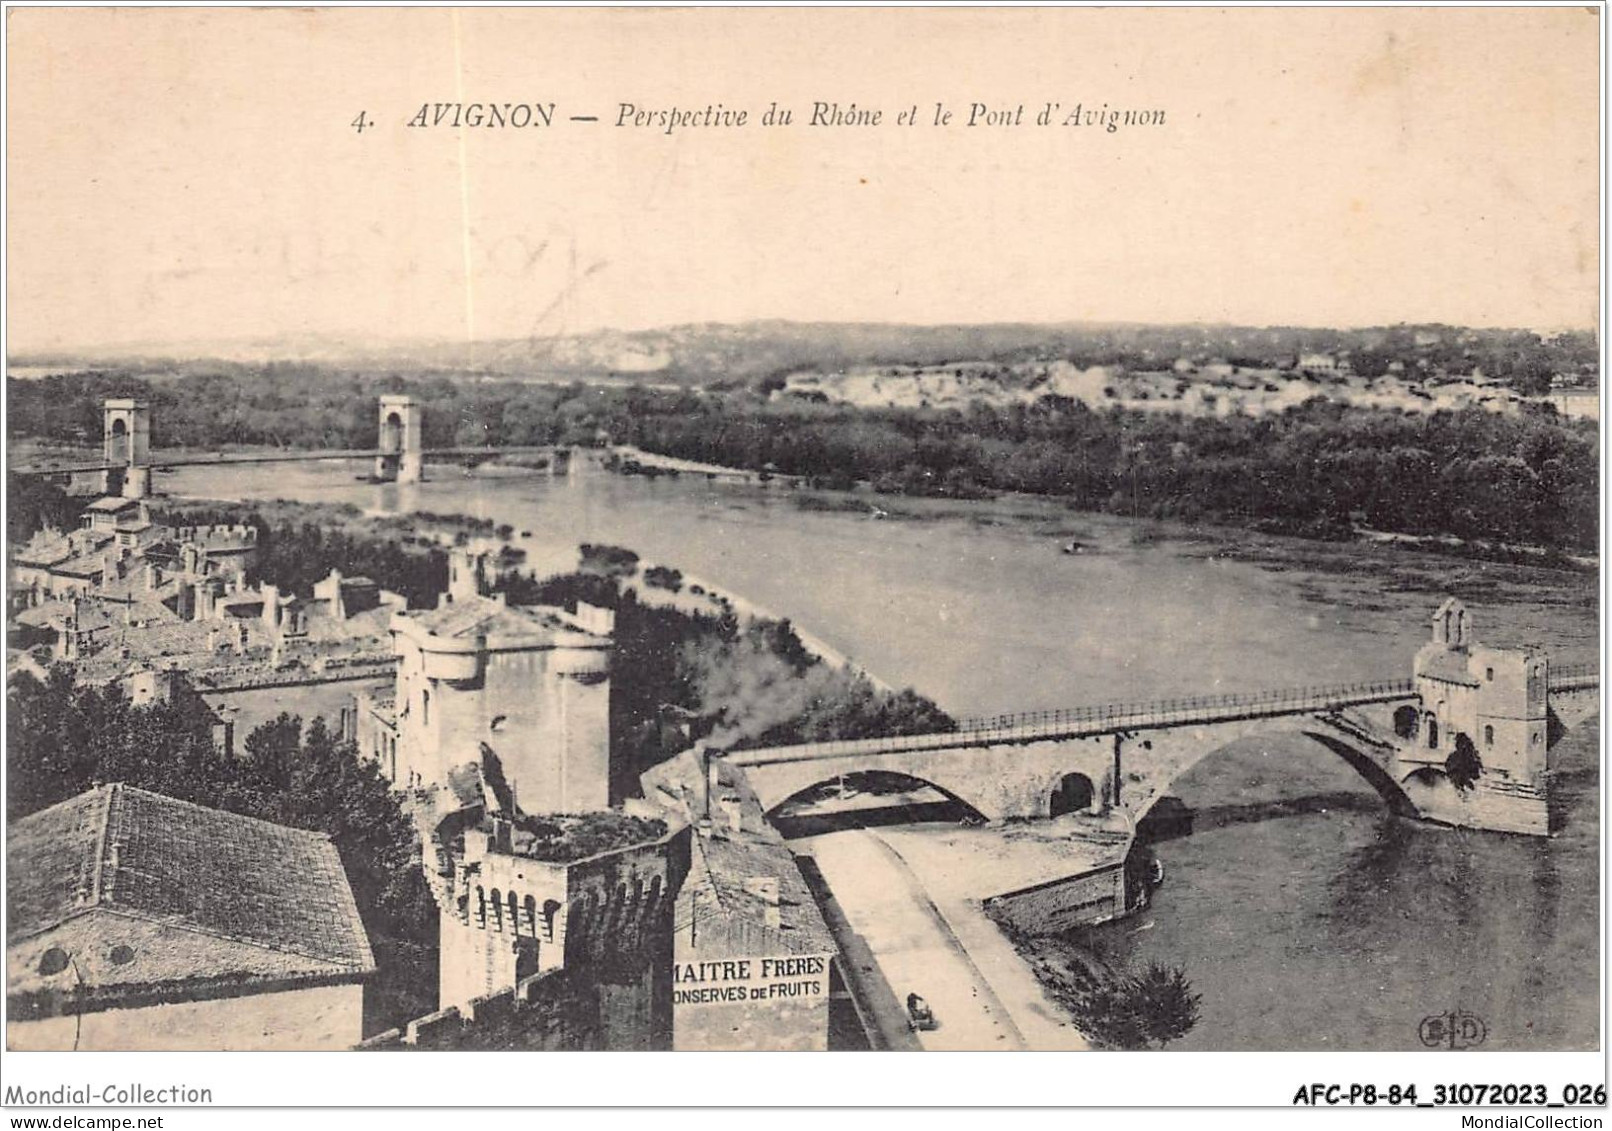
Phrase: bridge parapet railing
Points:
(1106, 718)
(1574, 675)
(1291, 700)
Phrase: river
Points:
(1335, 926)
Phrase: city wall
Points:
(315, 1019)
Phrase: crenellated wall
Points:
(508, 917)
(560, 1011)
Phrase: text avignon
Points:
(484, 115)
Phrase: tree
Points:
(1463, 766)
(63, 740)
(1138, 1012)
(33, 504)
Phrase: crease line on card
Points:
(464, 193)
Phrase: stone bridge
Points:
(1465, 741)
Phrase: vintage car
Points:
(919, 1015)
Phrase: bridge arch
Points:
(1075, 794)
(996, 780)
(1176, 751)
(117, 441)
(391, 437)
(1431, 789)
(865, 785)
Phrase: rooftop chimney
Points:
(600, 622)
(501, 837)
(467, 575)
(203, 607)
(700, 803)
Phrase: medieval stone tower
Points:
(528, 686)
(502, 726)
(402, 424)
(1481, 746)
(127, 445)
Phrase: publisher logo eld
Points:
(1455, 1030)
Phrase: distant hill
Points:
(717, 354)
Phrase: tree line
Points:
(1320, 469)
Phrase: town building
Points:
(753, 963)
(137, 921)
(178, 600)
(1575, 404)
(117, 539)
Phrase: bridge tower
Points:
(402, 423)
(127, 445)
(1481, 739)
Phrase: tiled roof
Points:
(50, 546)
(371, 625)
(484, 615)
(136, 607)
(92, 615)
(195, 893)
(112, 504)
(84, 565)
(726, 860)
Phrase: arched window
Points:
(514, 914)
(551, 908)
(1405, 721)
(498, 911)
(1432, 733)
(1074, 794)
(1488, 736)
(118, 445)
(425, 707)
(481, 907)
(531, 914)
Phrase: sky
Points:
(191, 175)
